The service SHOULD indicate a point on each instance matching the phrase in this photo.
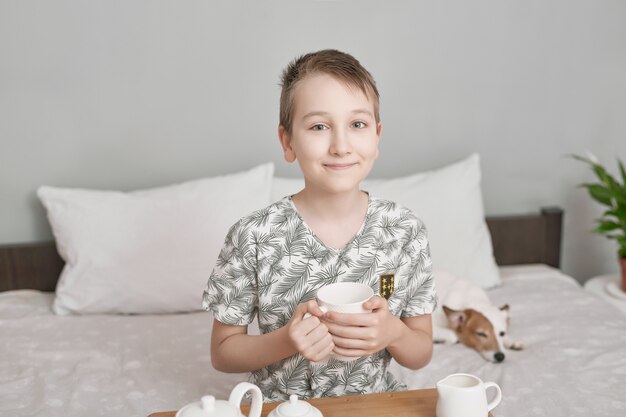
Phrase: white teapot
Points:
(295, 408)
(208, 406)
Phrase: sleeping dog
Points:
(465, 314)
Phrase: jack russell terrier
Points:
(465, 314)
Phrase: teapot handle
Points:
(257, 398)
(498, 398)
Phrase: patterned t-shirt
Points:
(272, 261)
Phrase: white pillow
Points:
(148, 251)
(282, 187)
(449, 201)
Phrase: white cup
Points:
(344, 297)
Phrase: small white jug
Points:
(208, 406)
(464, 395)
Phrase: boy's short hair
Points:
(339, 65)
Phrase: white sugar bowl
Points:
(295, 408)
(208, 406)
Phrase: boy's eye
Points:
(359, 125)
(318, 127)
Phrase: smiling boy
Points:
(274, 260)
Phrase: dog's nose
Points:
(498, 356)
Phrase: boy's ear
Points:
(379, 131)
(285, 142)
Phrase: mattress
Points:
(574, 363)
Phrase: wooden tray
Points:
(412, 403)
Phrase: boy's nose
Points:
(340, 145)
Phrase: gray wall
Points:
(132, 94)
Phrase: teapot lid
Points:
(208, 406)
(294, 408)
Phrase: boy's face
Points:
(334, 135)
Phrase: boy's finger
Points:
(348, 319)
(374, 303)
(350, 352)
(318, 333)
(351, 332)
(322, 349)
(324, 345)
(298, 314)
(313, 309)
(305, 310)
(309, 325)
(349, 343)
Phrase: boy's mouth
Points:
(339, 166)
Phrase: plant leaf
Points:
(623, 172)
(620, 214)
(606, 226)
(581, 158)
(616, 189)
(599, 193)
(603, 175)
(621, 199)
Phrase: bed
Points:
(574, 363)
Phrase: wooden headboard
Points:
(520, 239)
(527, 239)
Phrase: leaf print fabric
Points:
(271, 261)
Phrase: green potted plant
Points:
(609, 192)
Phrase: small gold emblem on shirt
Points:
(386, 285)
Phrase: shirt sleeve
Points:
(422, 297)
(231, 291)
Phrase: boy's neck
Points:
(330, 206)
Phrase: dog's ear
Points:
(505, 310)
(456, 318)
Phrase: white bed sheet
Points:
(574, 363)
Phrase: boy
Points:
(274, 260)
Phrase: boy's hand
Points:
(363, 333)
(308, 335)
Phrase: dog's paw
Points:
(444, 335)
(515, 346)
